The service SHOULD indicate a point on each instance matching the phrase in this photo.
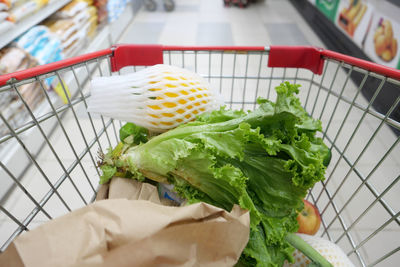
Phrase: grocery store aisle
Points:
(208, 22)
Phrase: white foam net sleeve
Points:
(158, 98)
(330, 251)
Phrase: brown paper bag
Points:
(131, 189)
(124, 232)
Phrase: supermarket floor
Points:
(272, 22)
(208, 22)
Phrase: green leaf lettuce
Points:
(264, 160)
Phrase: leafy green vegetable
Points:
(133, 134)
(264, 160)
(108, 172)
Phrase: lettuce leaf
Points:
(264, 160)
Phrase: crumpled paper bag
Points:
(124, 232)
(128, 189)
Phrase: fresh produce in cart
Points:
(264, 160)
(159, 98)
(309, 219)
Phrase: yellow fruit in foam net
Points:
(159, 98)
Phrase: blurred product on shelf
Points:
(5, 24)
(102, 13)
(4, 5)
(75, 24)
(41, 44)
(64, 34)
(70, 10)
(20, 9)
(13, 59)
(115, 9)
(3, 15)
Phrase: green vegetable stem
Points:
(307, 250)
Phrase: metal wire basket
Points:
(48, 157)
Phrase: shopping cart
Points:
(48, 164)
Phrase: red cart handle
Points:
(310, 58)
(148, 55)
(296, 57)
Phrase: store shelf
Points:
(31, 21)
(13, 155)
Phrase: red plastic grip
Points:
(296, 57)
(43, 69)
(136, 55)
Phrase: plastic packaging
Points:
(19, 13)
(42, 44)
(30, 36)
(47, 52)
(70, 10)
(115, 9)
(166, 191)
(3, 15)
(7, 3)
(62, 28)
(38, 44)
(101, 6)
(11, 60)
(3, 7)
(6, 26)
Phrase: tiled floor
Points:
(270, 22)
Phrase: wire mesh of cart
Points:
(48, 157)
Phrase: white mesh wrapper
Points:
(159, 98)
(330, 251)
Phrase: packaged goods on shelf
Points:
(20, 9)
(14, 59)
(74, 24)
(5, 26)
(70, 10)
(3, 15)
(3, 6)
(50, 52)
(92, 26)
(62, 28)
(20, 12)
(101, 6)
(89, 2)
(115, 9)
(41, 43)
